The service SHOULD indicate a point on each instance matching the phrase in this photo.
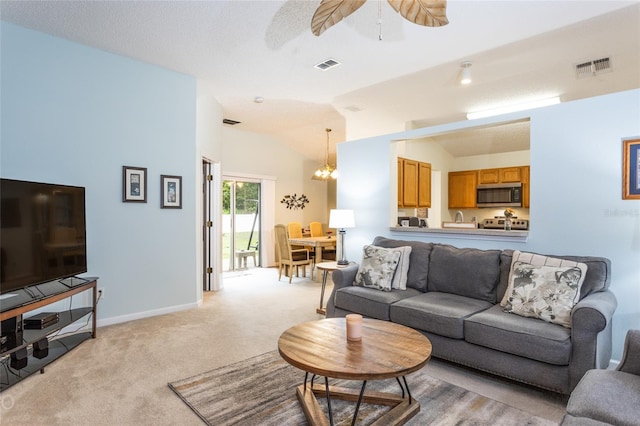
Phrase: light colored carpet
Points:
(261, 391)
(121, 376)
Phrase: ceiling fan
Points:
(429, 13)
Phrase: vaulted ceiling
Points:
(392, 73)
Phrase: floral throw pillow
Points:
(377, 267)
(543, 287)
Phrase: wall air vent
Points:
(597, 66)
(329, 63)
(229, 122)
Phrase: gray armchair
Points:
(609, 396)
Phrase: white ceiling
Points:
(244, 49)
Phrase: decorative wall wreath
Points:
(294, 202)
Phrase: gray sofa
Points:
(605, 397)
(452, 296)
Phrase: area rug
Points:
(261, 391)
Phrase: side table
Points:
(325, 267)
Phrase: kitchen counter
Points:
(485, 234)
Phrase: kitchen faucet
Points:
(459, 213)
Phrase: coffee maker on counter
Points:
(412, 221)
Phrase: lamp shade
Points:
(341, 219)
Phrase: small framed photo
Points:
(134, 184)
(631, 170)
(171, 189)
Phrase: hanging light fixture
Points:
(327, 171)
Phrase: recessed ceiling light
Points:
(258, 99)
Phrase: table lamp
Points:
(341, 219)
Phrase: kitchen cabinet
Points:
(400, 182)
(414, 183)
(525, 186)
(510, 174)
(462, 189)
(501, 175)
(424, 185)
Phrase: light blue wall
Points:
(576, 192)
(75, 115)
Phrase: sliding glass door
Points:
(240, 224)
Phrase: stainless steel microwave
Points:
(499, 195)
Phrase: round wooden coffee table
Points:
(386, 351)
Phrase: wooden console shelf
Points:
(20, 342)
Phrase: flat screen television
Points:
(42, 233)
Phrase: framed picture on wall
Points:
(631, 169)
(134, 184)
(171, 190)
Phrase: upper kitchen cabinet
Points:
(462, 189)
(501, 175)
(424, 185)
(414, 183)
(525, 186)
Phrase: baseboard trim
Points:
(146, 314)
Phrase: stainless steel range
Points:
(497, 222)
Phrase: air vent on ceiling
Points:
(329, 63)
(597, 66)
(230, 122)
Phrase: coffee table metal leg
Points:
(355, 415)
(401, 387)
(406, 385)
(326, 385)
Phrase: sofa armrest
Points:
(630, 362)
(591, 334)
(341, 277)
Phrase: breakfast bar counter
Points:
(485, 234)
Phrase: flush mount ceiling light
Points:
(513, 108)
(327, 171)
(465, 74)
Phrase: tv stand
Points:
(26, 351)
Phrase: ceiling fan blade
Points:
(330, 12)
(430, 13)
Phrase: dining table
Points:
(318, 243)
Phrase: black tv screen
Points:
(42, 233)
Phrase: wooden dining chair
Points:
(317, 231)
(294, 230)
(315, 228)
(290, 258)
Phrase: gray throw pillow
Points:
(418, 260)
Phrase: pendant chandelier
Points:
(327, 171)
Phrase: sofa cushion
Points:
(400, 276)
(435, 312)
(377, 267)
(526, 337)
(370, 302)
(466, 272)
(607, 396)
(418, 260)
